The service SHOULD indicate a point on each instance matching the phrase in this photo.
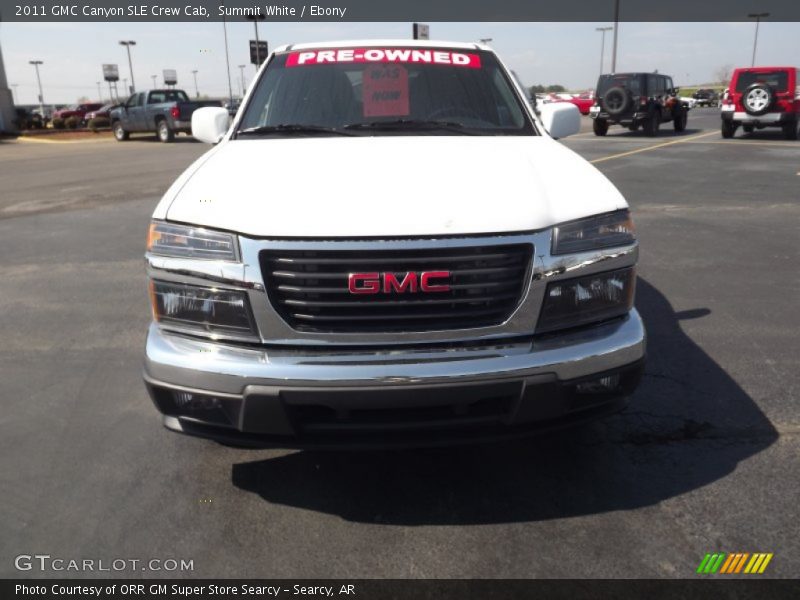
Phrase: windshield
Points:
(629, 82)
(776, 79)
(385, 91)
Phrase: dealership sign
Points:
(111, 72)
(170, 77)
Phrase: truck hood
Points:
(335, 187)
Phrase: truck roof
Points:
(388, 42)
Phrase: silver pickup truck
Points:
(164, 112)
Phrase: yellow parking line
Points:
(33, 140)
(654, 147)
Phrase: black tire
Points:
(680, 119)
(790, 130)
(119, 132)
(728, 129)
(164, 133)
(748, 128)
(652, 124)
(616, 101)
(758, 99)
(600, 127)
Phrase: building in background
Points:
(6, 101)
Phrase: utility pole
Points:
(196, 90)
(602, 30)
(757, 17)
(616, 31)
(227, 58)
(36, 64)
(128, 44)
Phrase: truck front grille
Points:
(309, 288)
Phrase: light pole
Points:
(196, 90)
(153, 77)
(227, 56)
(36, 64)
(255, 19)
(757, 17)
(128, 44)
(602, 30)
(616, 30)
(241, 77)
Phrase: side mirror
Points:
(676, 90)
(210, 123)
(560, 119)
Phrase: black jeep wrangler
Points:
(636, 100)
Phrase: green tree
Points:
(556, 88)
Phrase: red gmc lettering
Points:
(390, 283)
(363, 283)
(427, 286)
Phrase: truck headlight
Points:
(185, 241)
(600, 231)
(207, 310)
(588, 299)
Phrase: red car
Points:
(583, 101)
(78, 110)
(763, 97)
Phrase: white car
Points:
(388, 245)
(690, 102)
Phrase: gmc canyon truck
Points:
(388, 246)
(163, 112)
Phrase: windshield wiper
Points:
(290, 128)
(410, 124)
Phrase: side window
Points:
(156, 98)
(142, 98)
(669, 85)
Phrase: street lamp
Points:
(196, 90)
(36, 64)
(757, 17)
(153, 77)
(602, 30)
(128, 44)
(241, 77)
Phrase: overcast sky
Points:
(565, 53)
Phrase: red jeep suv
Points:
(763, 97)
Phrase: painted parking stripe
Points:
(654, 147)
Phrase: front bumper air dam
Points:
(393, 396)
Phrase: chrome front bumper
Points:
(255, 395)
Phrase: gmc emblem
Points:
(389, 283)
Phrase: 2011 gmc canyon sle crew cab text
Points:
(388, 246)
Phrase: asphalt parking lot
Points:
(705, 458)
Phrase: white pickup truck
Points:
(388, 246)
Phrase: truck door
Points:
(135, 112)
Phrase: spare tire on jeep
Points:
(616, 100)
(758, 98)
